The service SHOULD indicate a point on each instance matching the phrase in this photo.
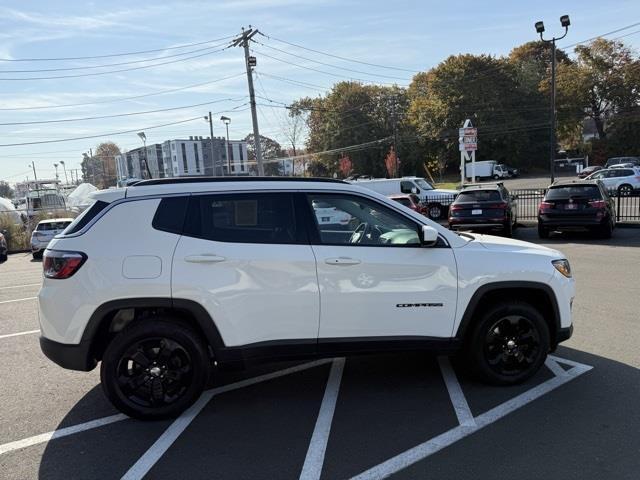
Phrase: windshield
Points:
(423, 184)
(580, 191)
(479, 196)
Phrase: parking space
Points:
(407, 415)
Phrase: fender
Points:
(510, 285)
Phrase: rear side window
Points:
(85, 217)
(244, 218)
(404, 201)
(170, 214)
(479, 196)
(565, 193)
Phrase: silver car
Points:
(44, 233)
(3, 247)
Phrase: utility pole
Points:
(395, 137)
(250, 62)
(213, 161)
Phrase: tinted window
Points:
(50, 226)
(85, 217)
(404, 201)
(564, 193)
(479, 196)
(368, 223)
(170, 214)
(406, 186)
(243, 218)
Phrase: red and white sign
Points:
(468, 132)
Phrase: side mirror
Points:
(429, 236)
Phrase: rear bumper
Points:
(568, 222)
(70, 356)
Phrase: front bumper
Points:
(70, 356)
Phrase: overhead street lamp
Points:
(64, 167)
(143, 137)
(227, 121)
(565, 22)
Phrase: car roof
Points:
(574, 183)
(483, 186)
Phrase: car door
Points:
(376, 279)
(246, 259)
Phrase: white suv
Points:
(165, 279)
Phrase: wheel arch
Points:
(540, 295)
(99, 332)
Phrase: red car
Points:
(412, 201)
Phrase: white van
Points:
(437, 200)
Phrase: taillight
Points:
(60, 265)
(501, 205)
(598, 204)
(545, 207)
(455, 207)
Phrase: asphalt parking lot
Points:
(397, 416)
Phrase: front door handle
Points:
(346, 261)
(204, 258)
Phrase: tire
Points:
(434, 211)
(543, 232)
(179, 375)
(509, 344)
(496, 177)
(625, 190)
(3, 257)
(507, 231)
(606, 230)
(37, 255)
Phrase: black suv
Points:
(483, 207)
(577, 205)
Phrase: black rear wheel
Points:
(155, 369)
(509, 344)
(508, 229)
(434, 211)
(543, 232)
(606, 230)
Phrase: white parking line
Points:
(20, 286)
(170, 435)
(18, 300)
(552, 365)
(28, 332)
(458, 400)
(433, 445)
(63, 432)
(314, 460)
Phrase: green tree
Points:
(602, 83)
(270, 150)
(5, 189)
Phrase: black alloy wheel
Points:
(509, 343)
(512, 345)
(155, 369)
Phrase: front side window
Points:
(351, 220)
(244, 218)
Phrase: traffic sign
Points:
(468, 132)
(469, 147)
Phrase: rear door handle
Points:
(204, 258)
(346, 261)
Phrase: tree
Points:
(346, 165)
(5, 189)
(532, 62)
(100, 169)
(270, 150)
(316, 168)
(603, 82)
(484, 89)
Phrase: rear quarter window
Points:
(85, 217)
(479, 196)
(169, 216)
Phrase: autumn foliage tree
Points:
(346, 165)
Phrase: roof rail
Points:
(179, 180)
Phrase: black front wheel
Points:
(155, 369)
(543, 232)
(435, 211)
(509, 344)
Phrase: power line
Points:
(123, 99)
(115, 54)
(130, 62)
(333, 66)
(321, 71)
(65, 120)
(389, 67)
(113, 71)
(300, 83)
(602, 35)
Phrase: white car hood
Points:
(503, 244)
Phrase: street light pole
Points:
(213, 161)
(565, 22)
(146, 162)
(227, 121)
(64, 168)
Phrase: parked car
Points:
(411, 201)
(512, 172)
(328, 215)
(589, 170)
(484, 207)
(577, 205)
(618, 160)
(4, 249)
(436, 200)
(623, 181)
(163, 280)
(44, 233)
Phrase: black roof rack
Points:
(173, 180)
(564, 183)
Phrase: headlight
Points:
(563, 267)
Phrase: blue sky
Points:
(413, 35)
